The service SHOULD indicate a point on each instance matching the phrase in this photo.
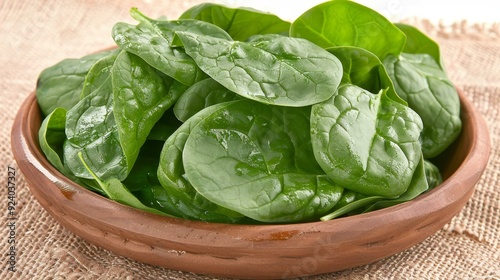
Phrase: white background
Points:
(445, 11)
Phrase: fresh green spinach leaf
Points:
(420, 81)
(346, 23)
(115, 190)
(61, 84)
(201, 95)
(257, 160)
(432, 174)
(418, 42)
(282, 71)
(151, 40)
(172, 176)
(366, 142)
(364, 69)
(240, 23)
(51, 137)
(95, 76)
(140, 97)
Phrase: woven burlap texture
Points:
(37, 34)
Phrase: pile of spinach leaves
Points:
(234, 115)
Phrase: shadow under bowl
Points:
(253, 251)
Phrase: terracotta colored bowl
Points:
(252, 251)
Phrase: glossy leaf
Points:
(172, 177)
(366, 142)
(141, 95)
(110, 124)
(91, 129)
(51, 137)
(61, 84)
(203, 94)
(240, 23)
(418, 42)
(420, 81)
(97, 74)
(417, 186)
(364, 69)
(256, 159)
(346, 23)
(432, 174)
(151, 40)
(115, 190)
(282, 71)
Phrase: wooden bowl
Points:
(252, 251)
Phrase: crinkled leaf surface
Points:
(257, 159)
(141, 95)
(280, 71)
(172, 176)
(420, 81)
(346, 23)
(61, 84)
(202, 94)
(419, 42)
(151, 40)
(240, 23)
(364, 69)
(97, 74)
(109, 125)
(51, 137)
(366, 142)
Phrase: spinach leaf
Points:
(91, 129)
(432, 174)
(97, 74)
(201, 95)
(141, 95)
(60, 85)
(417, 186)
(364, 69)
(346, 23)
(256, 159)
(240, 23)
(115, 190)
(356, 203)
(366, 142)
(172, 176)
(111, 123)
(51, 137)
(420, 81)
(282, 71)
(151, 40)
(165, 126)
(418, 42)
(144, 171)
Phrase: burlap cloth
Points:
(37, 34)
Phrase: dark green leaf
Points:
(257, 160)
(420, 81)
(346, 23)
(240, 23)
(282, 71)
(172, 176)
(203, 94)
(418, 42)
(51, 137)
(366, 142)
(151, 40)
(61, 84)
(364, 69)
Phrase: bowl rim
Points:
(174, 239)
